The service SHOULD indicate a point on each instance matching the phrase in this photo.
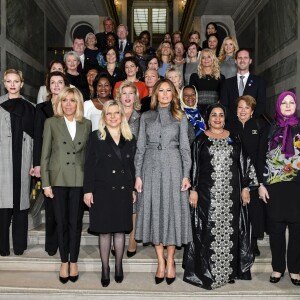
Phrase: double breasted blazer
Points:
(255, 87)
(62, 159)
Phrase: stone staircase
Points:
(34, 275)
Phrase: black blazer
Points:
(44, 111)
(128, 46)
(254, 87)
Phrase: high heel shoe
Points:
(63, 280)
(105, 281)
(113, 252)
(131, 253)
(119, 277)
(73, 278)
(170, 280)
(295, 281)
(274, 279)
(159, 280)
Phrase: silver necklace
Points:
(100, 101)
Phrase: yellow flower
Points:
(297, 144)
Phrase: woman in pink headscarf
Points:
(281, 188)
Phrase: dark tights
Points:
(104, 247)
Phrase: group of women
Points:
(171, 176)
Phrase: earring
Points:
(208, 123)
(223, 125)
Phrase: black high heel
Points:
(170, 280)
(119, 277)
(73, 278)
(159, 280)
(63, 280)
(295, 281)
(105, 281)
(275, 279)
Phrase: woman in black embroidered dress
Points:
(221, 175)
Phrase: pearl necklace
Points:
(179, 61)
(100, 101)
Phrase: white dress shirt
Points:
(71, 125)
(244, 79)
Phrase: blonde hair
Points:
(125, 84)
(176, 111)
(250, 101)
(90, 34)
(125, 129)
(71, 53)
(14, 71)
(222, 54)
(177, 71)
(79, 101)
(139, 42)
(159, 54)
(215, 65)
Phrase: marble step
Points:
(37, 285)
(36, 259)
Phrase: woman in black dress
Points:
(108, 185)
(221, 179)
(253, 133)
(207, 80)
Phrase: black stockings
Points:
(104, 247)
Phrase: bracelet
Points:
(261, 184)
(246, 188)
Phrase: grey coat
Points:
(6, 163)
(162, 160)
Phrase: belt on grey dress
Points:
(160, 147)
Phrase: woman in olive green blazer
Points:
(63, 153)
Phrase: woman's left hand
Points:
(133, 196)
(185, 184)
(245, 196)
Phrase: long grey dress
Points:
(162, 160)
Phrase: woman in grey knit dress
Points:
(163, 162)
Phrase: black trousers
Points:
(284, 212)
(68, 210)
(51, 242)
(19, 220)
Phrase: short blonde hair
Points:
(177, 71)
(222, 54)
(14, 71)
(125, 84)
(215, 65)
(250, 101)
(79, 101)
(71, 53)
(176, 111)
(90, 34)
(139, 42)
(125, 129)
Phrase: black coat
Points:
(254, 87)
(109, 174)
(44, 111)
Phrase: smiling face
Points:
(211, 29)
(165, 49)
(229, 47)
(57, 84)
(194, 38)
(192, 51)
(57, 67)
(108, 25)
(131, 69)
(91, 41)
(78, 46)
(72, 63)
(153, 64)
(91, 75)
(189, 96)
(206, 59)
(179, 49)
(103, 88)
(139, 49)
(164, 94)
(244, 111)
(69, 106)
(128, 96)
(288, 106)
(217, 118)
(111, 56)
(113, 117)
(212, 42)
(243, 61)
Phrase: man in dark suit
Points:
(108, 24)
(244, 83)
(123, 44)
